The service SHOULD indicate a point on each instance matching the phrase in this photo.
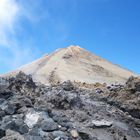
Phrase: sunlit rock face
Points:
(32, 117)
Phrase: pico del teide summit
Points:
(75, 64)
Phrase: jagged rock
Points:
(32, 117)
(37, 112)
(2, 133)
(4, 83)
(61, 138)
(101, 123)
(22, 83)
(29, 137)
(63, 100)
(16, 125)
(23, 109)
(63, 121)
(49, 125)
(59, 134)
(23, 129)
(2, 113)
(34, 131)
(21, 101)
(11, 125)
(85, 136)
(12, 135)
(46, 135)
(133, 84)
(127, 97)
(9, 109)
(74, 133)
(27, 102)
(5, 94)
(68, 86)
(6, 119)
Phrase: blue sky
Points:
(32, 28)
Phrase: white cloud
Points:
(13, 52)
(8, 14)
(17, 40)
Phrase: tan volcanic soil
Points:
(74, 64)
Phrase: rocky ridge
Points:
(33, 111)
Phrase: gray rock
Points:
(49, 125)
(46, 135)
(32, 117)
(48, 113)
(18, 117)
(74, 133)
(7, 119)
(85, 136)
(2, 133)
(2, 113)
(3, 104)
(11, 125)
(64, 138)
(23, 109)
(12, 135)
(133, 83)
(101, 123)
(28, 102)
(9, 109)
(29, 137)
(23, 129)
(58, 138)
(34, 131)
(6, 94)
(60, 134)
(16, 125)
(21, 101)
(68, 86)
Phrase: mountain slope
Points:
(75, 64)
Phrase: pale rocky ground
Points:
(74, 64)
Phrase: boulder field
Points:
(33, 111)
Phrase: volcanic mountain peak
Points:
(75, 64)
(75, 48)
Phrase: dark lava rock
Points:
(64, 100)
(134, 113)
(23, 129)
(29, 137)
(9, 109)
(22, 83)
(32, 111)
(34, 131)
(12, 135)
(60, 134)
(6, 94)
(11, 125)
(85, 136)
(15, 125)
(21, 101)
(2, 133)
(68, 86)
(126, 97)
(49, 125)
(2, 113)
(133, 84)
